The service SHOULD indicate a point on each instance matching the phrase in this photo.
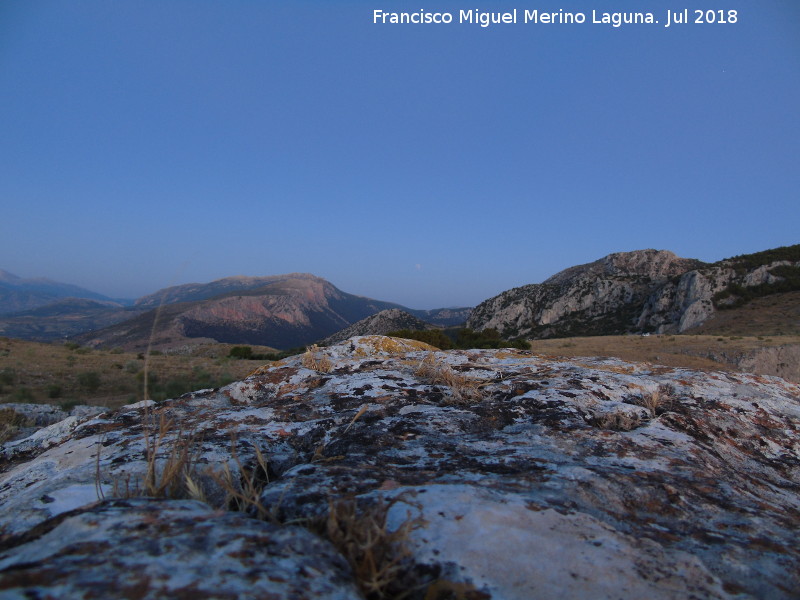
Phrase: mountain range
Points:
(18, 294)
(625, 292)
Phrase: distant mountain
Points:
(644, 290)
(286, 311)
(381, 323)
(63, 318)
(18, 294)
(192, 292)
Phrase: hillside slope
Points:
(602, 297)
(381, 323)
(288, 311)
(644, 290)
(18, 294)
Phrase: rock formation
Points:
(645, 290)
(497, 474)
(600, 297)
(386, 321)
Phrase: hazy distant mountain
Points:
(381, 323)
(18, 294)
(286, 311)
(63, 318)
(645, 290)
(191, 292)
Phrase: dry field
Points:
(59, 374)
(712, 352)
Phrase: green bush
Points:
(132, 367)
(241, 352)
(71, 345)
(89, 380)
(434, 337)
(8, 376)
(23, 395)
(54, 391)
(462, 338)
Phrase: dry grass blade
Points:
(356, 418)
(657, 401)
(461, 389)
(246, 496)
(315, 360)
(379, 557)
(166, 477)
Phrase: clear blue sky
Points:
(145, 144)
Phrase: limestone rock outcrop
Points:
(510, 476)
(605, 296)
(384, 322)
(645, 290)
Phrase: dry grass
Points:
(688, 351)
(380, 558)
(657, 400)
(245, 496)
(460, 389)
(10, 423)
(315, 359)
(51, 373)
(167, 476)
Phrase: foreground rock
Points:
(515, 476)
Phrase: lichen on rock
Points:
(558, 478)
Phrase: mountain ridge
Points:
(642, 290)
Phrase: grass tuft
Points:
(380, 557)
(460, 389)
(315, 360)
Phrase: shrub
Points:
(8, 376)
(71, 345)
(132, 367)
(68, 405)
(23, 395)
(241, 352)
(434, 337)
(89, 380)
(54, 391)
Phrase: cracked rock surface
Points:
(529, 477)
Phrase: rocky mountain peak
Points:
(654, 264)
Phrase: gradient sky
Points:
(145, 144)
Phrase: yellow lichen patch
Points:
(264, 369)
(370, 345)
(509, 353)
(621, 369)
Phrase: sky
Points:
(152, 143)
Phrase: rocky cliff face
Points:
(691, 299)
(381, 323)
(601, 297)
(503, 475)
(646, 290)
